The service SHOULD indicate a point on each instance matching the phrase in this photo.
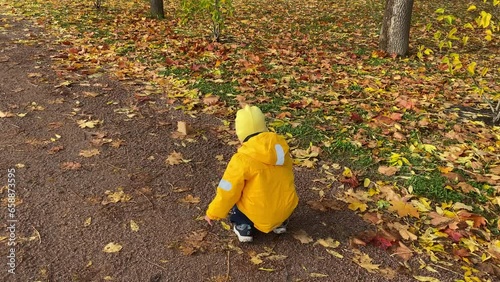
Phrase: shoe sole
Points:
(242, 239)
(279, 231)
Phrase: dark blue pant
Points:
(237, 217)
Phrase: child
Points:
(257, 187)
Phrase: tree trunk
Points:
(395, 32)
(157, 9)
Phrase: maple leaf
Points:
(403, 208)
(88, 123)
(115, 197)
(365, 261)
(175, 158)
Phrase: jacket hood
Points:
(266, 147)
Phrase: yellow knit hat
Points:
(249, 120)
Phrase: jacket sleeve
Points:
(229, 189)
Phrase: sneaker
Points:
(280, 229)
(244, 232)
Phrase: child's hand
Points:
(208, 220)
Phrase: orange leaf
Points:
(403, 208)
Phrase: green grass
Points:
(432, 186)
(224, 90)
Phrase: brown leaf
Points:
(388, 170)
(466, 187)
(190, 199)
(210, 100)
(70, 166)
(55, 149)
(403, 252)
(324, 204)
(439, 220)
(174, 158)
(302, 236)
(89, 153)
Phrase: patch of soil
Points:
(71, 203)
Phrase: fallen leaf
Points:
(89, 153)
(426, 279)
(403, 252)
(6, 114)
(190, 199)
(134, 226)
(87, 222)
(302, 236)
(266, 269)
(365, 262)
(117, 143)
(175, 158)
(88, 123)
(115, 197)
(328, 243)
(318, 275)
(334, 253)
(210, 100)
(403, 208)
(70, 166)
(112, 248)
(388, 170)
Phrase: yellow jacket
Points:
(259, 180)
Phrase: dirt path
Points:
(79, 188)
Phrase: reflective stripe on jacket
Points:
(259, 180)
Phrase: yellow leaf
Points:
(347, 172)
(115, 197)
(328, 243)
(266, 269)
(440, 11)
(112, 248)
(365, 262)
(471, 8)
(108, 278)
(318, 275)
(366, 182)
(357, 205)
(88, 123)
(426, 279)
(225, 225)
(489, 34)
(429, 148)
(403, 208)
(87, 222)
(134, 226)
(334, 253)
